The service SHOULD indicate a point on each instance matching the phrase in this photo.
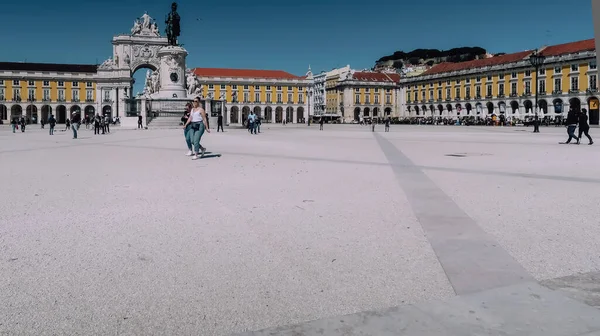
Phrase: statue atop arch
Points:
(145, 26)
(173, 29)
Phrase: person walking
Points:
(536, 124)
(23, 123)
(43, 123)
(257, 124)
(75, 120)
(139, 121)
(251, 126)
(197, 121)
(321, 122)
(13, 124)
(220, 123)
(186, 128)
(52, 123)
(67, 124)
(387, 124)
(97, 122)
(584, 127)
(107, 124)
(572, 121)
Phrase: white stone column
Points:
(227, 115)
(144, 112)
(273, 115)
(295, 115)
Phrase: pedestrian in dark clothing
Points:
(23, 123)
(220, 123)
(536, 124)
(321, 122)
(387, 124)
(584, 127)
(140, 121)
(43, 122)
(97, 121)
(13, 124)
(52, 123)
(106, 125)
(572, 121)
(76, 120)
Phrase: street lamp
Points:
(536, 60)
(309, 93)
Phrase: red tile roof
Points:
(478, 63)
(569, 48)
(244, 73)
(376, 77)
(21, 66)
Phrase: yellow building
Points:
(506, 85)
(362, 95)
(272, 94)
(37, 90)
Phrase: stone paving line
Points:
(307, 263)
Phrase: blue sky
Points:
(290, 35)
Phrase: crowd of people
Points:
(578, 119)
(100, 123)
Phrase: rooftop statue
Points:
(173, 29)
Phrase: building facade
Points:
(506, 85)
(319, 93)
(362, 95)
(272, 94)
(38, 90)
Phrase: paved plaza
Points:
(420, 231)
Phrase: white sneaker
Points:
(189, 153)
(195, 157)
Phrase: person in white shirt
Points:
(197, 122)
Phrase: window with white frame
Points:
(2, 96)
(357, 90)
(279, 98)
(75, 83)
(489, 77)
(367, 90)
(431, 94)
(357, 99)
(447, 93)
(367, 99)
(478, 79)
(31, 94)
(89, 95)
(89, 84)
(234, 87)
(61, 83)
(268, 87)
(423, 95)
(557, 85)
(468, 92)
(279, 88)
(513, 88)
(557, 69)
(246, 87)
(290, 98)
(388, 99)
(106, 95)
(16, 82)
(439, 93)
(542, 71)
(46, 95)
(574, 67)
(468, 81)
(513, 74)
(501, 89)
(501, 76)
(489, 90)
(527, 73)
(376, 99)
(257, 97)
(211, 86)
(61, 95)
(300, 98)
(75, 95)
(478, 91)
(593, 82)
(31, 83)
(290, 88)
(527, 87)
(592, 65)
(458, 81)
(416, 96)
(376, 90)
(575, 83)
(457, 92)
(223, 87)
(256, 87)
(46, 83)
(542, 85)
(430, 84)
(1, 82)
(17, 94)
(246, 97)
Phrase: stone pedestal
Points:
(172, 73)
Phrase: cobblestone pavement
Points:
(420, 231)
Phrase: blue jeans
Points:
(196, 135)
(13, 127)
(51, 130)
(75, 127)
(188, 139)
(571, 132)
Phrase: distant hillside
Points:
(430, 57)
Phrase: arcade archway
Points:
(234, 115)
